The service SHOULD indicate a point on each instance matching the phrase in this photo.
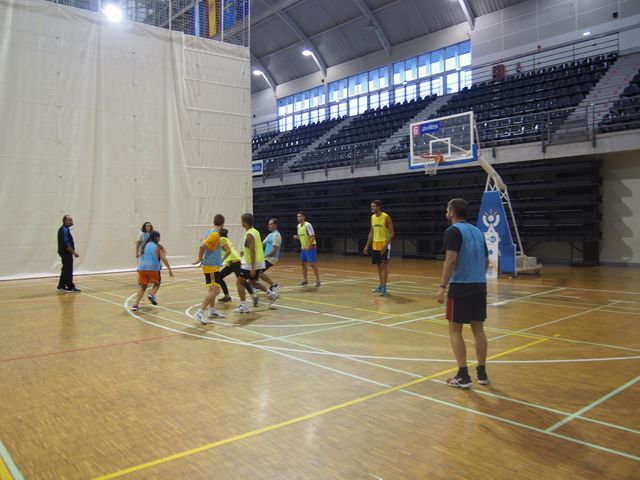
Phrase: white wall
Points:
(115, 125)
(534, 24)
(621, 209)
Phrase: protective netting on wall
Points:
(116, 125)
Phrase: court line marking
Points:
(547, 409)
(498, 282)
(528, 427)
(561, 319)
(301, 418)
(531, 295)
(93, 347)
(225, 339)
(593, 404)
(8, 469)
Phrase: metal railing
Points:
(229, 22)
(552, 127)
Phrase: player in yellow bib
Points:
(253, 263)
(307, 237)
(380, 236)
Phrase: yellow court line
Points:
(407, 315)
(302, 418)
(4, 472)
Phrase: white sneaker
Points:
(200, 317)
(272, 297)
(213, 313)
(256, 299)
(243, 308)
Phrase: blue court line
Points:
(13, 470)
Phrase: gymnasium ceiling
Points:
(340, 30)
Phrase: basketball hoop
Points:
(431, 162)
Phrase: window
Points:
(451, 57)
(297, 120)
(342, 109)
(362, 104)
(436, 85)
(411, 69)
(322, 114)
(464, 54)
(374, 100)
(423, 66)
(452, 82)
(425, 88)
(465, 78)
(383, 75)
(282, 107)
(289, 125)
(353, 106)
(305, 118)
(333, 111)
(436, 62)
(398, 73)
(298, 103)
(333, 92)
(353, 90)
(374, 80)
(343, 85)
(384, 98)
(314, 116)
(282, 125)
(411, 92)
(398, 95)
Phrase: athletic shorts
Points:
(244, 273)
(308, 255)
(378, 256)
(467, 309)
(211, 276)
(267, 265)
(145, 277)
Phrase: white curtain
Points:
(115, 124)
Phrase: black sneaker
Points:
(482, 377)
(74, 290)
(224, 299)
(460, 382)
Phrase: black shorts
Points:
(468, 308)
(212, 279)
(378, 257)
(267, 265)
(247, 274)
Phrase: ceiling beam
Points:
(272, 10)
(376, 26)
(468, 13)
(307, 42)
(255, 63)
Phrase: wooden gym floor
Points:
(330, 383)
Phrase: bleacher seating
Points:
(258, 141)
(359, 138)
(555, 200)
(521, 107)
(296, 140)
(625, 113)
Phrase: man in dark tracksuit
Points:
(66, 250)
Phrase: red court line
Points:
(95, 347)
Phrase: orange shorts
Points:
(145, 277)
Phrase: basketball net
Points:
(431, 162)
